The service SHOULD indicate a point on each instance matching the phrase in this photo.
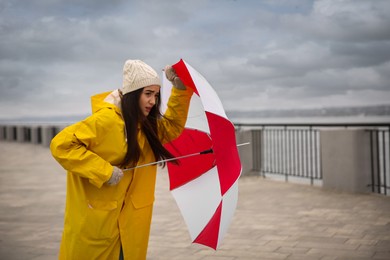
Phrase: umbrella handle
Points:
(207, 151)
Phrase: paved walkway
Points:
(273, 220)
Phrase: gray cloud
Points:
(257, 54)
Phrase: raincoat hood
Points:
(106, 99)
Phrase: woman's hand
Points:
(171, 75)
(116, 176)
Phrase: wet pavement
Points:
(273, 220)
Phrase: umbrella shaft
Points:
(176, 158)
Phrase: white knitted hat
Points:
(137, 74)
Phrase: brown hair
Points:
(133, 118)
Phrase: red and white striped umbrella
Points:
(205, 187)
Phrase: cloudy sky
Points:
(257, 54)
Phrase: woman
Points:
(108, 211)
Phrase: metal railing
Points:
(294, 150)
(291, 152)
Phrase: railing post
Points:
(11, 133)
(36, 136)
(3, 132)
(48, 132)
(346, 160)
(21, 133)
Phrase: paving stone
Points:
(340, 253)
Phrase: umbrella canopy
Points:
(205, 187)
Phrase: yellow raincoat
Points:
(99, 218)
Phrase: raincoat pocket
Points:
(101, 220)
(142, 201)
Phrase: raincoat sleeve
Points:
(72, 148)
(174, 120)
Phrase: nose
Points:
(152, 101)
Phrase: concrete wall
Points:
(346, 162)
(245, 151)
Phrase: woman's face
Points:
(148, 98)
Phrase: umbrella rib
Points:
(168, 160)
